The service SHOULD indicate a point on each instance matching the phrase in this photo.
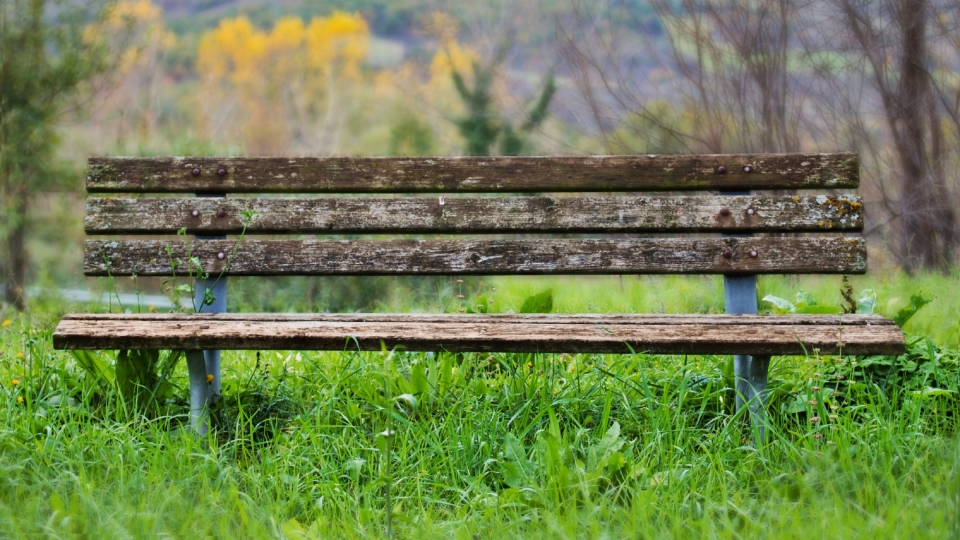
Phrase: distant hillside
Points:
(386, 17)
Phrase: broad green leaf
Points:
(418, 380)
(867, 301)
(93, 364)
(917, 301)
(611, 440)
(805, 299)
(877, 360)
(779, 304)
(538, 303)
(518, 470)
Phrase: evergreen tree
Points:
(482, 125)
(47, 50)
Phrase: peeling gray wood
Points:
(473, 174)
(412, 215)
(483, 257)
(468, 333)
(551, 318)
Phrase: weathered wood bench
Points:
(616, 220)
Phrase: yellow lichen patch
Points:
(842, 206)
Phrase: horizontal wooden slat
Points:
(712, 334)
(363, 215)
(552, 318)
(473, 174)
(479, 257)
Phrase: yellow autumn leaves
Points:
(285, 87)
(295, 87)
(302, 87)
(333, 46)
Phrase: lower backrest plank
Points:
(808, 255)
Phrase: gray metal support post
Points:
(750, 372)
(204, 394)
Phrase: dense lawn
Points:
(501, 445)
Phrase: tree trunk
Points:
(917, 241)
(15, 292)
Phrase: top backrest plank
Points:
(727, 172)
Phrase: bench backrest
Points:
(607, 205)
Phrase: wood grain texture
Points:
(552, 318)
(473, 174)
(482, 257)
(444, 215)
(712, 334)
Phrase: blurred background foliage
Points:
(435, 77)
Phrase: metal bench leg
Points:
(219, 288)
(200, 392)
(203, 394)
(750, 373)
(756, 394)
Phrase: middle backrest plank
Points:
(443, 215)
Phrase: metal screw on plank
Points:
(220, 255)
(221, 213)
(195, 213)
(724, 211)
(196, 172)
(727, 254)
(753, 253)
(750, 211)
(721, 169)
(748, 169)
(221, 172)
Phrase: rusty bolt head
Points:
(724, 211)
(721, 169)
(195, 172)
(753, 253)
(221, 172)
(220, 255)
(748, 169)
(727, 254)
(751, 211)
(221, 213)
(195, 213)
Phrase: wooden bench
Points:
(722, 244)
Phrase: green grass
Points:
(499, 446)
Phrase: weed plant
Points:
(496, 445)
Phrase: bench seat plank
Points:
(809, 255)
(681, 334)
(472, 174)
(439, 215)
(552, 318)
